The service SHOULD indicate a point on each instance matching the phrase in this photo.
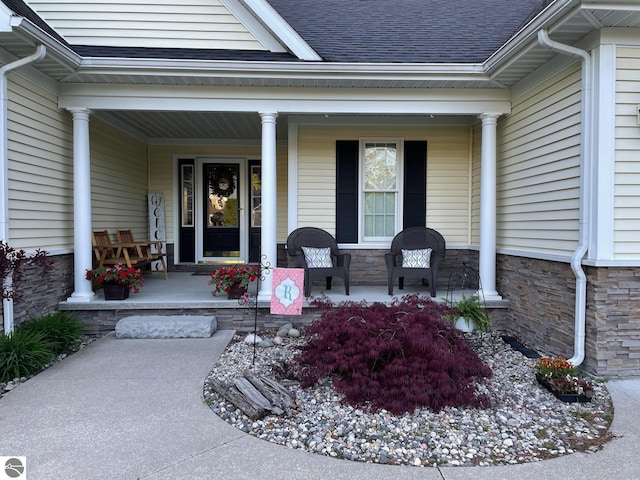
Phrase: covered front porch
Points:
(188, 293)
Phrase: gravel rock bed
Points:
(525, 423)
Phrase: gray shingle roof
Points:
(362, 31)
(407, 31)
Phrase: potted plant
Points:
(561, 378)
(469, 314)
(117, 280)
(234, 280)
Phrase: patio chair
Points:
(153, 249)
(416, 252)
(108, 253)
(317, 252)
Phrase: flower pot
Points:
(465, 325)
(562, 396)
(115, 291)
(236, 291)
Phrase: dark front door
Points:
(222, 212)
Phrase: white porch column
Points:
(268, 239)
(82, 249)
(488, 207)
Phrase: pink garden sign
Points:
(287, 291)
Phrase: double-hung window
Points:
(380, 177)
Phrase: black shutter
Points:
(347, 191)
(415, 184)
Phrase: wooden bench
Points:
(129, 254)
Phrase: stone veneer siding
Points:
(42, 293)
(614, 308)
(542, 311)
(368, 267)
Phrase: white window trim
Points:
(399, 141)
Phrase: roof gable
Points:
(148, 24)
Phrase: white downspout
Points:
(585, 182)
(38, 55)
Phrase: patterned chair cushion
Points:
(420, 258)
(317, 257)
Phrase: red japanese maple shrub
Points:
(397, 357)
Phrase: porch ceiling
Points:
(228, 127)
(168, 127)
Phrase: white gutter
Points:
(38, 55)
(585, 182)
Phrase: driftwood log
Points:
(255, 395)
(273, 391)
(234, 396)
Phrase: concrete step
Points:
(166, 326)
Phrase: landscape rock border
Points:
(526, 424)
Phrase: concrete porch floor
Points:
(188, 294)
(186, 290)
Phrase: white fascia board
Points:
(6, 17)
(620, 36)
(54, 48)
(375, 120)
(224, 68)
(526, 37)
(289, 100)
(625, 5)
(281, 29)
(255, 27)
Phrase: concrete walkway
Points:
(133, 409)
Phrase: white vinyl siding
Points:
(40, 152)
(162, 179)
(538, 168)
(147, 23)
(447, 174)
(476, 155)
(118, 181)
(627, 155)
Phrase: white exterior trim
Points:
(261, 34)
(603, 188)
(282, 29)
(325, 71)
(346, 101)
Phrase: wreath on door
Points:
(222, 181)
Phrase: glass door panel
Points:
(222, 210)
